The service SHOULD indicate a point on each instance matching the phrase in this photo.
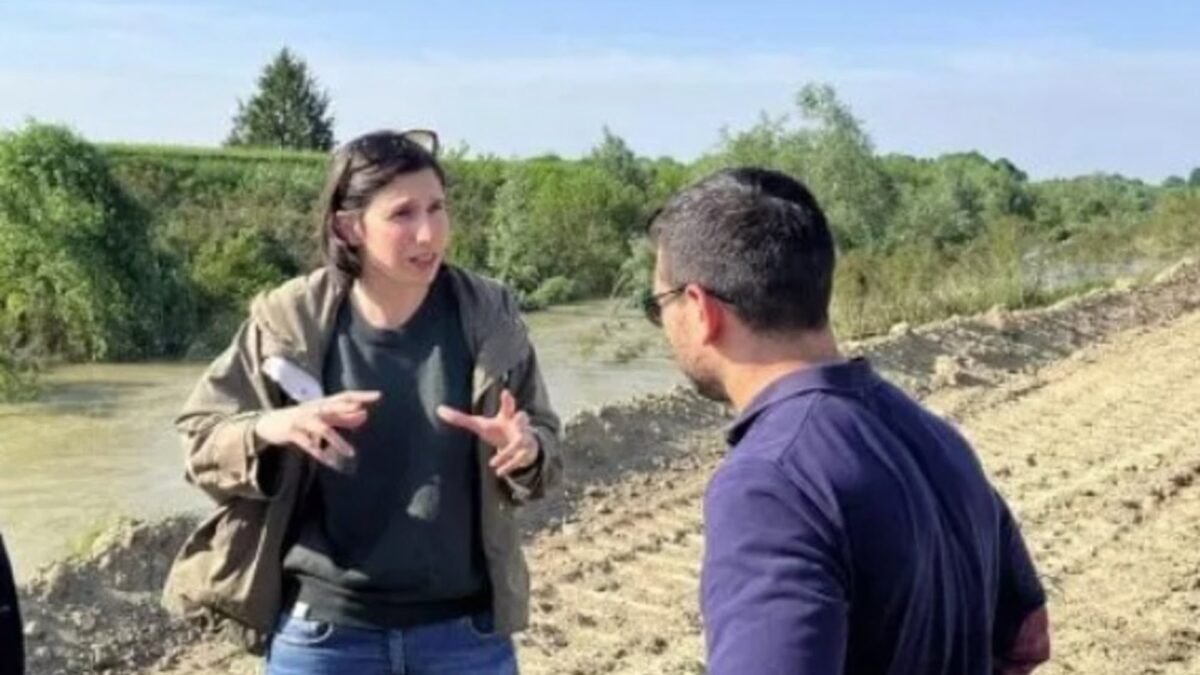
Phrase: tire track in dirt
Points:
(1111, 503)
(1101, 461)
(616, 592)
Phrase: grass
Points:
(1008, 267)
(122, 150)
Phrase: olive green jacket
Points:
(232, 564)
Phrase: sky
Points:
(1059, 88)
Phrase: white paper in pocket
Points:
(293, 379)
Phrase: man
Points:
(12, 654)
(848, 530)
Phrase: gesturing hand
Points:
(509, 431)
(313, 426)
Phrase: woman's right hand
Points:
(313, 426)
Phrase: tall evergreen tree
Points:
(288, 111)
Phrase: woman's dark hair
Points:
(360, 169)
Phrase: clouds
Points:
(1054, 111)
(173, 72)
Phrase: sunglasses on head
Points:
(380, 145)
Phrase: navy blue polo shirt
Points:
(849, 530)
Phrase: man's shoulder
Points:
(802, 427)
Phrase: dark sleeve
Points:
(773, 596)
(12, 649)
(1021, 640)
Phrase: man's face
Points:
(684, 325)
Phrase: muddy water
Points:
(100, 442)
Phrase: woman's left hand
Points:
(509, 432)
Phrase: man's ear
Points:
(712, 313)
(348, 226)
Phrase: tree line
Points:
(124, 252)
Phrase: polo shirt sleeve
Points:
(772, 592)
(1021, 639)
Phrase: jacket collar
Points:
(299, 317)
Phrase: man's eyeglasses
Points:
(652, 303)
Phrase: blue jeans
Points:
(464, 646)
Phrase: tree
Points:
(1174, 182)
(559, 219)
(80, 277)
(614, 155)
(289, 111)
(1194, 178)
(824, 145)
(951, 199)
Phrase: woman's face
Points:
(403, 233)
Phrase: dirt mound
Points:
(99, 611)
(607, 445)
(989, 349)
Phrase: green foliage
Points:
(288, 110)
(614, 156)
(229, 271)
(18, 381)
(950, 200)
(1194, 177)
(921, 281)
(472, 186)
(831, 153)
(667, 176)
(554, 291)
(79, 275)
(132, 251)
(1067, 206)
(555, 219)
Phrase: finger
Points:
(337, 443)
(355, 396)
(508, 405)
(475, 424)
(522, 420)
(505, 454)
(345, 419)
(328, 447)
(520, 460)
(328, 406)
(328, 440)
(312, 448)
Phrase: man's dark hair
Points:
(755, 238)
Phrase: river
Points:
(99, 444)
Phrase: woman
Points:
(367, 437)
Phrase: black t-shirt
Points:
(397, 542)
